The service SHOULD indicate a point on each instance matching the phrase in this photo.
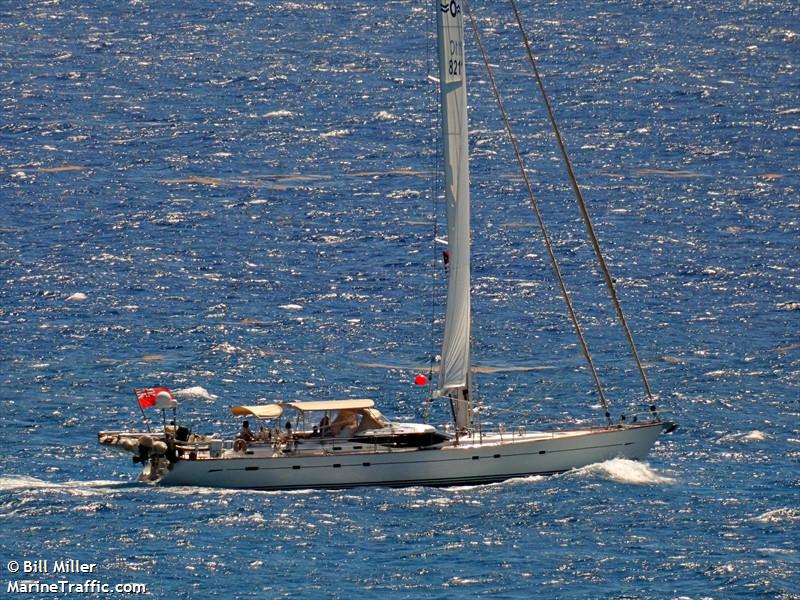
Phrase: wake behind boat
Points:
(347, 443)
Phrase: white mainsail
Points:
(454, 377)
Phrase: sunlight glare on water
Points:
(235, 200)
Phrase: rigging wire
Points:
(583, 210)
(535, 205)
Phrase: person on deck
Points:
(245, 433)
(345, 424)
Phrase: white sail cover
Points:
(454, 374)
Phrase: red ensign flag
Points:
(147, 398)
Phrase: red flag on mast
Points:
(147, 397)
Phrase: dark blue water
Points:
(235, 200)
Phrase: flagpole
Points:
(144, 418)
(141, 408)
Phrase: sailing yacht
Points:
(348, 443)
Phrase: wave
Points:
(788, 306)
(336, 133)
(249, 520)
(279, 114)
(193, 491)
(226, 348)
(462, 581)
(505, 483)
(383, 115)
(22, 483)
(195, 392)
(744, 436)
(779, 515)
(623, 470)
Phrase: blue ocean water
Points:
(235, 200)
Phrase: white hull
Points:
(469, 462)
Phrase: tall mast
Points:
(454, 376)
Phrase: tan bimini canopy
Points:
(264, 411)
(330, 405)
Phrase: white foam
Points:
(77, 297)
(248, 519)
(426, 503)
(779, 515)
(226, 348)
(194, 392)
(336, 133)
(277, 114)
(506, 482)
(407, 193)
(789, 306)
(332, 239)
(76, 488)
(460, 581)
(720, 373)
(291, 307)
(744, 436)
(224, 492)
(624, 470)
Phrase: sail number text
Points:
(451, 60)
(455, 63)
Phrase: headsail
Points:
(454, 377)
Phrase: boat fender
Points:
(239, 445)
(144, 453)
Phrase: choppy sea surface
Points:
(238, 200)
